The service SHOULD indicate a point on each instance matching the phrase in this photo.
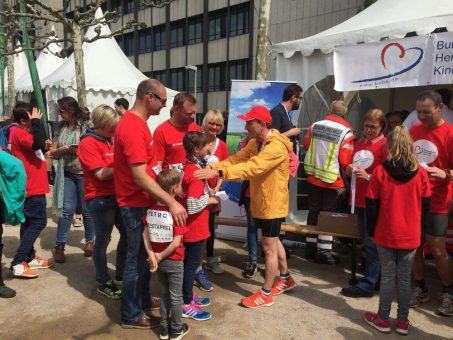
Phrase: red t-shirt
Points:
(162, 230)
(220, 153)
(95, 154)
(434, 147)
(399, 221)
(198, 223)
(367, 155)
(34, 163)
(168, 144)
(133, 144)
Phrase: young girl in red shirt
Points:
(397, 206)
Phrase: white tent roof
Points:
(20, 65)
(106, 67)
(46, 63)
(385, 18)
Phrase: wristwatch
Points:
(220, 173)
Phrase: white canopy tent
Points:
(20, 66)
(46, 63)
(309, 61)
(109, 75)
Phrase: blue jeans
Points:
(73, 195)
(192, 258)
(252, 231)
(136, 294)
(35, 221)
(106, 213)
(372, 267)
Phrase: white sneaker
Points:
(39, 263)
(23, 270)
(214, 266)
(78, 222)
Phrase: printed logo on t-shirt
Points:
(425, 151)
(160, 226)
(212, 159)
(363, 159)
(178, 166)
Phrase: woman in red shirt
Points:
(397, 207)
(369, 152)
(212, 126)
(95, 153)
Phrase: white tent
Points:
(46, 63)
(312, 57)
(20, 66)
(309, 61)
(109, 75)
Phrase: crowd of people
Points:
(161, 192)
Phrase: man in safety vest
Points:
(329, 151)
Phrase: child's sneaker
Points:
(201, 301)
(180, 334)
(195, 312)
(418, 296)
(282, 286)
(110, 290)
(402, 327)
(23, 270)
(249, 271)
(163, 334)
(446, 306)
(201, 279)
(39, 263)
(259, 299)
(78, 222)
(214, 266)
(381, 325)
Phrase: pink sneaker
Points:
(402, 327)
(381, 325)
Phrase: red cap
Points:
(257, 112)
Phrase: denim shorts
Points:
(269, 228)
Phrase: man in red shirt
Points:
(168, 135)
(329, 151)
(135, 169)
(433, 143)
(29, 144)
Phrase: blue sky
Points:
(248, 93)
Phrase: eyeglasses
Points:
(371, 127)
(163, 101)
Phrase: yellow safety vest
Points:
(321, 160)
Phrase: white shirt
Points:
(412, 119)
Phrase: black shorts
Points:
(269, 228)
(438, 225)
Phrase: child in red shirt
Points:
(397, 206)
(197, 199)
(163, 243)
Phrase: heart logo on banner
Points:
(401, 56)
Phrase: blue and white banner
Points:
(413, 61)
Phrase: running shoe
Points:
(202, 281)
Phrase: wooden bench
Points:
(334, 224)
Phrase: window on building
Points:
(217, 24)
(191, 80)
(177, 79)
(159, 38)
(238, 70)
(128, 6)
(195, 33)
(216, 77)
(128, 43)
(239, 19)
(144, 38)
(119, 40)
(161, 76)
(177, 33)
(117, 5)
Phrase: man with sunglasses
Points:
(168, 135)
(135, 169)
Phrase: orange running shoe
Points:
(282, 286)
(257, 300)
(40, 263)
(23, 270)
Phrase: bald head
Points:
(147, 86)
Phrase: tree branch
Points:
(157, 4)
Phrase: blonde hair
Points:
(104, 116)
(376, 115)
(339, 108)
(212, 114)
(400, 148)
(168, 178)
